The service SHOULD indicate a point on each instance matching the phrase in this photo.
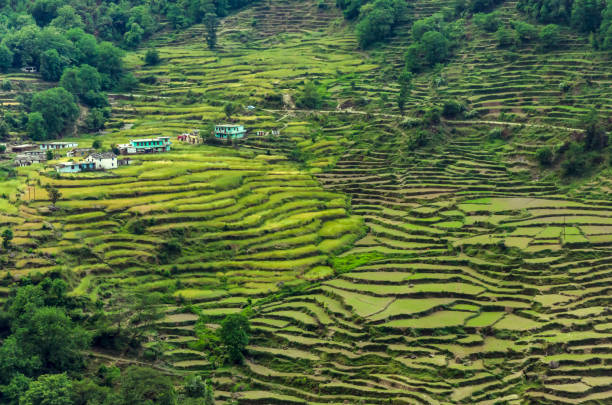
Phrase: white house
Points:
(103, 161)
(57, 145)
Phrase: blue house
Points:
(75, 167)
(229, 131)
(150, 145)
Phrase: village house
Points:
(23, 148)
(74, 167)
(103, 161)
(274, 132)
(28, 159)
(57, 145)
(80, 152)
(192, 137)
(229, 131)
(148, 145)
(28, 69)
(124, 161)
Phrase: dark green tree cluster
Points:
(311, 97)
(434, 39)
(377, 20)
(43, 335)
(584, 153)
(588, 16)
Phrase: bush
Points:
(545, 156)
(432, 116)
(506, 37)
(575, 163)
(550, 36)
(311, 97)
(488, 22)
(452, 108)
(526, 32)
(152, 57)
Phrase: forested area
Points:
(376, 20)
(46, 334)
(81, 45)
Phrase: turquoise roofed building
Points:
(229, 131)
(146, 145)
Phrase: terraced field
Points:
(471, 286)
(376, 275)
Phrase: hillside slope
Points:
(473, 279)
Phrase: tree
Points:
(549, 36)
(586, 15)
(67, 18)
(234, 334)
(195, 386)
(95, 119)
(229, 110)
(81, 80)
(595, 134)
(575, 163)
(141, 385)
(7, 85)
(211, 23)
(44, 11)
(7, 236)
(376, 24)
(4, 130)
(506, 37)
(152, 57)
(110, 62)
(54, 194)
(405, 81)
(209, 396)
(50, 334)
(49, 155)
(545, 156)
(311, 97)
(526, 31)
(435, 47)
(49, 389)
(57, 108)
(35, 128)
(488, 22)
(6, 58)
(96, 144)
(133, 37)
(51, 65)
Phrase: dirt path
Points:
(118, 359)
(499, 123)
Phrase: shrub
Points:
(545, 156)
(234, 334)
(452, 108)
(488, 22)
(152, 57)
(550, 36)
(311, 97)
(526, 32)
(506, 37)
(575, 163)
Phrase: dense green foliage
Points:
(377, 20)
(58, 110)
(434, 38)
(44, 337)
(234, 334)
(583, 15)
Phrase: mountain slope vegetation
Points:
(431, 224)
